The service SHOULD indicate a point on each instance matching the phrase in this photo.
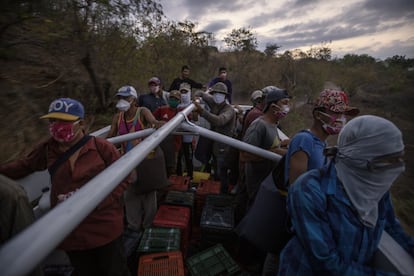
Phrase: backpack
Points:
(278, 175)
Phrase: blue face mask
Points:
(219, 98)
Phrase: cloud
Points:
(217, 26)
(373, 26)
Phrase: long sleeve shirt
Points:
(222, 119)
(175, 85)
(329, 238)
(105, 222)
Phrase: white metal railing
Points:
(27, 249)
(21, 254)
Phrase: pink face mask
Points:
(335, 125)
(62, 131)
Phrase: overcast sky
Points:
(379, 28)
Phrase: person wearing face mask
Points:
(94, 247)
(306, 147)
(222, 119)
(186, 148)
(258, 100)
(141, 196)
(130, 117)
(305, 151)
(222, 77)
(155, 97)
(339, 212)
(263, 133)
(171, 143)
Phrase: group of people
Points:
(338, 200)
(339, 204)
(73, 157)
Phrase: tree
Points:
(352, 59)
(321, 53)
(73, 35)
(241, 39)
(271, 49)
(400, 61)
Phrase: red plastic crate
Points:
(164, 263)
(179, 183)
(173, 216)
(207, 186)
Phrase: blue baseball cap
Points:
(65, 109)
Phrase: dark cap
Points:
(155, 80)
(274, 94)
(219, 87)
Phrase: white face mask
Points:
(219, 98)
(185, 98)
(123, 105)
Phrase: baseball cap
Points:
(275, 94)
(257, 94)
(219, 87)
(127, 91)
(176, 94)
(185, 86)
(336, 101)
(155, 80)
(65, 109)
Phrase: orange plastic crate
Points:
(175, 217)
(179, 183)
(164, 263)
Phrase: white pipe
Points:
(27, 249)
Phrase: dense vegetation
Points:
(86, 49)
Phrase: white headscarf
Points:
(361, 140)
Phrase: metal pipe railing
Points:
(34, 244)
(131, 136)
(231, 141)
(22, 253)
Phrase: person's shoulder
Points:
(256, 126)
(303, 134)
(308, 183)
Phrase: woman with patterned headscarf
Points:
(339, 212)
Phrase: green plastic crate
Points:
(212, 261)
(180, 198)
(157, 239)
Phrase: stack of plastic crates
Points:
(206, 187)
(180, 198)
(217, 221)
(164, 263)
(172, 216)
(212, 261)
(158, 239)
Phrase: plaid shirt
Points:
(329, 238)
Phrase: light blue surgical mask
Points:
(219, 98)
